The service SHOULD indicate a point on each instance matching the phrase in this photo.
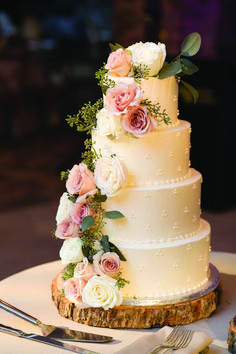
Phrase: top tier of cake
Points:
(164, 92)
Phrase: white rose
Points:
(64, 208)
(151, 54)
(133, 47)
(71, 251)
(101, 291)
(110, 175)
(108, 124)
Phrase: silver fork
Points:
(183, 342)
(172, 340)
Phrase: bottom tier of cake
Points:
(158, 270)
(179, 313)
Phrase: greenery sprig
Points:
(69, 271)
(155, 111)
(90, 155)
(182, 66)
(139, 72)
(120, 282)
(104, 81)
(85, 119)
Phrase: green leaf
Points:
(115, 46)
(188, 68)
(101, 198)
(170, 70)
(192, 90)
(191, 44)
(87, 222)
(114, 214)
(105, 243)
(85, 250)
(115, 249)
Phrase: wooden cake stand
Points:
(125, 316)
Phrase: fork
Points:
(183, 342)
(172, 340)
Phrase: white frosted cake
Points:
(130, 218)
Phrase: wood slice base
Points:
(137, 316)
(232, 336)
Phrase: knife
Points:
(56, 332)
(44, 340)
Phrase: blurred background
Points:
(49, 52)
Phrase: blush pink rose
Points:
(138, 121)
(119, 63)
(107, 263)
(79, 211)
(122, 96)
(66, 229)
(73, 289)
(81, 180)
(84, 270)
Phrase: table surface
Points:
(30, 291)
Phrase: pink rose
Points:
(108, 263)
(84, 270)
(119, 63)
(79, 211)
(122, 96)
(74, 288)
(66, 229)
(138, 121)
(80, 180)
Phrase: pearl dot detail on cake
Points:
(175, 265)
(147, 156)
(159, 253)
(148, 228)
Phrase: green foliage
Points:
(182, 66)
(155, 111)
(115, 47)
(110, 247)
(69, 271)
(139, 72)
(87, 222)
(85, 119)
(65, 175)
(191, 44)
(90, 155)
(192, 90)
(120, 282)
(114, 214)
(104, 81)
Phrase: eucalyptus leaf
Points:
(115, 249)
(105, 243)
(192, 90)
(114, 214)
(188, 68)
(87, 222)
(191, 44)
(170, 70)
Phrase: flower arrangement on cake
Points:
(93, 265)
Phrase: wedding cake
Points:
(130, 218)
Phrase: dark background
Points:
(49, 51)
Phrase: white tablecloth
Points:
(30, 291)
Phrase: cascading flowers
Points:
(92, 261)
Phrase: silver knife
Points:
(45, 340)
(56, 332)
